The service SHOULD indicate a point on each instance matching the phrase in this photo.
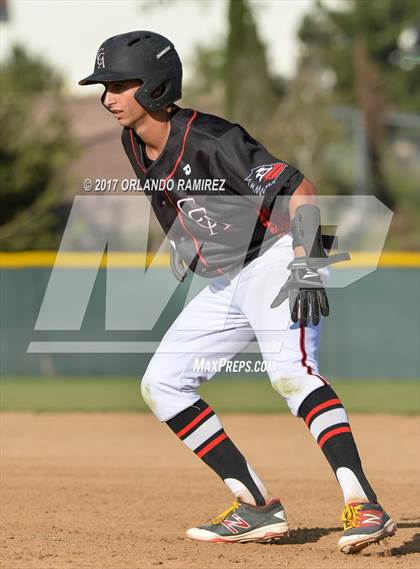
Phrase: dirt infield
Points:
(117, 491)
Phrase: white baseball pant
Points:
(221, 321)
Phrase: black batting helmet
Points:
(144, 56)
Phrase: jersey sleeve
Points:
(249, 169)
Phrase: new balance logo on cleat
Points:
(243, 522)
(364, 524)
(234, 523)
(369, 519)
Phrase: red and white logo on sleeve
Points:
(264, 176)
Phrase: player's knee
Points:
(146, 389)
(166, 390)
(295, 388)
(286, 386)
(164, 394)
(153, 392)
(153, 388)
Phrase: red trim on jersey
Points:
(133, 146)
(194, 422)
(264, 218)
(211, 445)
(186, 133)
(167, 194)
(333, 433)
(329, 403)
(304, 355)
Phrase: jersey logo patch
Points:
(187, 169)
(262, 177)
(199, 215)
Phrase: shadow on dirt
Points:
(303, 535)
(407, 548)
(409, 525)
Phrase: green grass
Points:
(111, 394)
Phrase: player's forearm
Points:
(305, 193)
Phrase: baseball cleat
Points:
(364, 524)
(243, 522)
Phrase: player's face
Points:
(119, 99)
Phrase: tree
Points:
(357, 44)
(329, 39)
(250, 96)
(302, 130)
(35, 148)
(234, 74)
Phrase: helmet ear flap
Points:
(158, 92)
(137, 96)
(154, 98)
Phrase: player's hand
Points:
(306, 293)
(177, 265)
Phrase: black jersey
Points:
(212, 189)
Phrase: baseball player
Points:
(248, 222)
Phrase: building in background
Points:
(4, 12)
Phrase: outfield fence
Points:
(372, 332)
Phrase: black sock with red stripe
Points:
(327, 420)
(200, 429)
